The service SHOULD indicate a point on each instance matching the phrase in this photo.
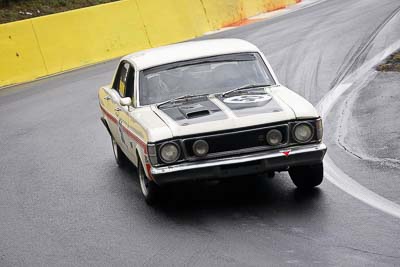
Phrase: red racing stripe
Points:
(148, 168)
(126, 130)
(134, 137)
(111, 117)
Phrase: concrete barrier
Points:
(46, 45)
(223, 12)
(173, 20)
(20, 55)
(85, 36)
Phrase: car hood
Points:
(215, 113)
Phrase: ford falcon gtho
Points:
(209, 110)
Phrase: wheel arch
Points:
(104, 121)
(141, 156)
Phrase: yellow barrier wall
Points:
(41, 46)
(252, 7)
(84, 36)
(223, 12)
(172, 21)
(20, 57)
(196, 16)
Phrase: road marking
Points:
(337, 177)
(333, 173)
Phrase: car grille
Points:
(236, 142)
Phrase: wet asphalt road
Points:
(368, 129)
(63, 200)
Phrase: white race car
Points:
(209, 110)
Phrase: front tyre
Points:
(120, 157)
(306, 177)
(150, 189)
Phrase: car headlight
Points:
(169, 152)
(274, 137)
(303, 132)
(200, 148)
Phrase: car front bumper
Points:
(272, 160)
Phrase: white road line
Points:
(350, 186)
(334, 174)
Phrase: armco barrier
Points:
(46, 45)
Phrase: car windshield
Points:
(210, 75)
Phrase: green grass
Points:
(13, 10)
(391, 64)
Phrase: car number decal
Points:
(121, 131)
(247, 99)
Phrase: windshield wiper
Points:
(182, 97)
(245, 87)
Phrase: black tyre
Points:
(119, 155)
(306, 177)
(150, 189)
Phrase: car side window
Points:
(121, 81)
(130, 82)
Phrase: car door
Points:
(122, 87)
(126, 90)
(136, 131)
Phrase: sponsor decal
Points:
(286, 152)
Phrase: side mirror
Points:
(126, 101)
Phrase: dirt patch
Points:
(391, 64)
(13, 10)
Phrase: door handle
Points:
(117, 109)
(107, 97)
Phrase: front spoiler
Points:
(271, 160)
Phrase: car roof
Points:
(188, 50)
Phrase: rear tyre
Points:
(150, 189)
(120, 157)
(306, 177)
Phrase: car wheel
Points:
(305, 177)
(120, 157)
(150, 189)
